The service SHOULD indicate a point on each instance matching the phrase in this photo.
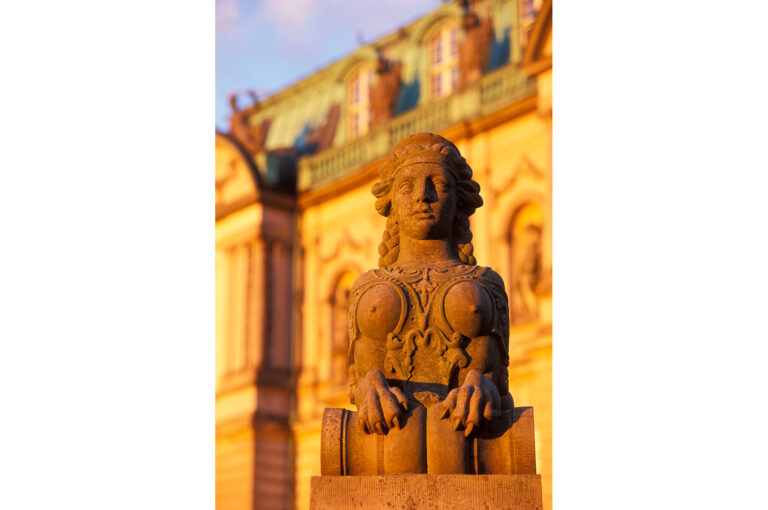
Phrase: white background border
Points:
(106, 277)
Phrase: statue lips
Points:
(425, 214)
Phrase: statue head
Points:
(426, 191)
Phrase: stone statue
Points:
(527, 269)
(473, 54)
(384, 92)
(428, 356)
(429, 325)
(251, 136)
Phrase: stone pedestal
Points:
(426, 492)
(427, 464)
(427, 444)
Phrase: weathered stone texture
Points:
(426, 492)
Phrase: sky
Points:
(266, 45)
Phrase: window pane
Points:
(436, 85)
(437, 49)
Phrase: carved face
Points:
(424, 201)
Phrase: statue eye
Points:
(405, 186)
(441, 185)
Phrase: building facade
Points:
(296, 224)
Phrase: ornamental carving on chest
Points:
(429, 326)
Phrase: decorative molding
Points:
(244, 156)
(345, 239)
(428, 25)
(276, 199)
(221, 182)
(524, 167)
(365, 55)
(366, 176)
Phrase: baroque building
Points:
(296, 224)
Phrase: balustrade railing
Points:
(491, 92)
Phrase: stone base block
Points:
(426, 492)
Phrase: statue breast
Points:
(469, 309)
(380, 310)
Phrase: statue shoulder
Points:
(374, 280)
(365, 278)
(488, 274)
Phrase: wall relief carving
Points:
(339, 304)
(527, 274)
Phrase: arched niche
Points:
(338, 300)
(525, 239)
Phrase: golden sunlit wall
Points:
(286, 258)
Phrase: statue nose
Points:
(426, 193)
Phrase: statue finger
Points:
(390, 408)
(362, 417)
(461, 410)
(376, 417)
(448, 404)
(474, 416)
(380, 428)
(398, 393)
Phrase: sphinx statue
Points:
(429, 325)
(429, 339)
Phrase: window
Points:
(444, 62)
(360, 102)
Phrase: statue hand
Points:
(478, 397)
(382, 405)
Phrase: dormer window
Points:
(444, 62)
(359, 102)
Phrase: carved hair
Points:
(467, 193)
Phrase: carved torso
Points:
(425, 328)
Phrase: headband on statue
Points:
(422, 148)
(427, 156)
